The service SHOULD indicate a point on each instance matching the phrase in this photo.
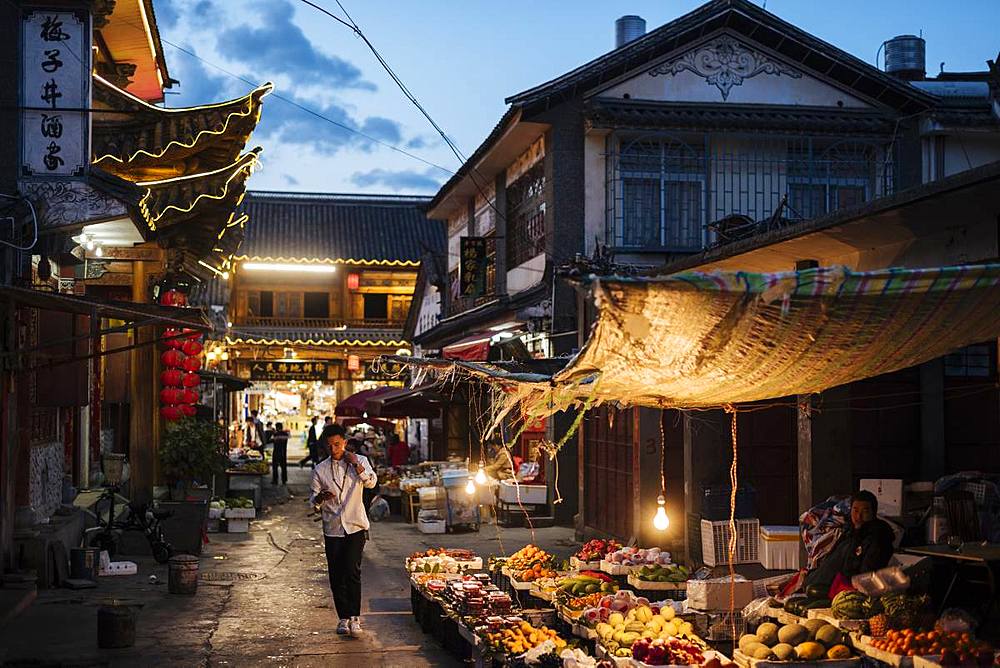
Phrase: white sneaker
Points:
(342, 628)
(355, 627)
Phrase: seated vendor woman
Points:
(865, 547)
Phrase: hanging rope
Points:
(732, 524)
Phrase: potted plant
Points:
(189, 453)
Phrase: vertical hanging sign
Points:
(55, 93)
(472, 267)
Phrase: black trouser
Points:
(343, 562)
(311, 457)
(279, 457)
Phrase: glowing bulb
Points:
(481, 475)
(90, 243)
(470, 487)
(210, 355)
(98, 251)
(225, 355)
(229, 323)
(225, 275)
(660, 519)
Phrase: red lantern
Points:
(191, 364)
(191, 380)
(171, 395)
(188, 410)
(187, 396)
(192, 334)
(171, 378)
(353, 281)
(172, 359)
(171, 413)
(192, 348)
(173, 298)
(173, 339)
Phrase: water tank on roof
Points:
(904, 57)
(629, 28)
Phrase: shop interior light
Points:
(229, 323)
(279, 266)
(504, 325)
(481, 474)
(99, 251)
(225, 275)
(660, 519)
(470, 487)
(211, 355)
(224, 356)
(89, 243)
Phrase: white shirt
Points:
(345, 512)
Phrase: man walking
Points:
(279, 454)
(312, 440)
(337, 486)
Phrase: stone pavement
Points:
(264, 599)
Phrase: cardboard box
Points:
(710, 595)
(889, 492)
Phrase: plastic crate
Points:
(715, 542)
(715, 502)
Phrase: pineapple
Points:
(878, 625)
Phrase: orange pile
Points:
(909, 642)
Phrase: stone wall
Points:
(45, 486)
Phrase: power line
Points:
(301, 107)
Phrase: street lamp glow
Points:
(470, 487)
(279, 266)
(660, 519)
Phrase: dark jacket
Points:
(313, 437)
(861, 550)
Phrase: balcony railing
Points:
(673, 193)
(322, 323)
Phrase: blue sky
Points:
(461, 59)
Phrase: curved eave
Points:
(171, 201)
(230, 340)
(339, 260)
(141, 142)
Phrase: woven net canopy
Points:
(703, 340)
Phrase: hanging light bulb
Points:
(660, 519)
(470, 487)
(225, 275)
(99, 251)
(89, 242)
(224, 356)
(481, 474)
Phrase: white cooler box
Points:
(533, 494)
(779, 547)
(428, 525)
(713, 595)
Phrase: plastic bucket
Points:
(115, 626)
(183, 574)
(84, 563)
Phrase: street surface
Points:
(264, 599)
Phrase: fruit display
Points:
(668, 573)
(673, 652)
(634, 556)
(801, 605)
(584, 583)
(955, 648)
(534, 573)
(436, 564)
(519, 638)
(621, 602)
(527, 557)
(458, 553)
(812, 640)
(621, 631)
(903, 611)
(239, 502)
(851, 604)
(597, 549)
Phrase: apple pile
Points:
(634, 556)
(597, 549)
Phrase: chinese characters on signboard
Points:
(386, 370)
(472, 267)
(55, 93)
(288, 370)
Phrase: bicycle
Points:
(137, 517)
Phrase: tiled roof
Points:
(606, 113)
(321, 337)
(367, 229)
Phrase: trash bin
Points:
(84, 563)
(183, 574)
(115, 626)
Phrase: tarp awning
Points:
(475, 348)
(354, 405)
(704, 340)
(415, 402)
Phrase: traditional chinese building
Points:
(321, 287)
(114, 201)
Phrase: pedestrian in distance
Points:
(338, 484)
(279, 454)
(268, 432)
(312, 439)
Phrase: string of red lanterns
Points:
(181, 360)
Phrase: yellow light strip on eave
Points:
(311, 342)
(246, 111)
(339, 260)
(248, 164)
